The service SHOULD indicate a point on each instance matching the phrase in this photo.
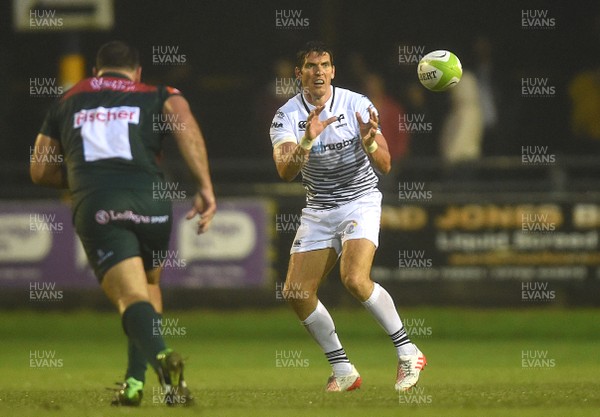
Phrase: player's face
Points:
(316, 74)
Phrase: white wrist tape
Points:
(372, 147)
(306, 143)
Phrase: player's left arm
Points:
(46, 166)
(374, 142)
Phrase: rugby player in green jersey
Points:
(103, 131)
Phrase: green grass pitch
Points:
(536, 362)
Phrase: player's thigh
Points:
(106, 240)
(307, 270)
(125, 283)
(154, 237)
(356, 260)
(360, 237)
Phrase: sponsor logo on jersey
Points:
(103, 217)
(276, 125)
(339, 120)
(106, 115)
(98, 83)
(103, 256)
(319, 147)
(350, 227)
(302, 125)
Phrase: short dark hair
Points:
(117, 54)
(312, 46)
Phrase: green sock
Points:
(137, 364)
(142, 323)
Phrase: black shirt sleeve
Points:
(50, 126)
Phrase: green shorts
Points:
(114, 225)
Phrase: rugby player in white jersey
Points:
(331, 135)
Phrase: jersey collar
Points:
(113, 74)
(331, 100)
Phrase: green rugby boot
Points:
(170, 377)
(130, 393)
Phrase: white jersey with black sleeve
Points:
(338, 170)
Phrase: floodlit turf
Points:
(540, 362)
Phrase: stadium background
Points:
(506, 314)
(224, 56)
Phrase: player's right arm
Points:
(44, 168)
(193, 149)
(289, 159)
(290, 156)
(47, 164)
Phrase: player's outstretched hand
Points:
(368, 130)
(205, 205)
(314, 126)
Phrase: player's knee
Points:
(126, 300)
(153, 276)
(354, 282)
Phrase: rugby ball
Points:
(439, 70)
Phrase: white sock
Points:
(381, 305)
(320, 325)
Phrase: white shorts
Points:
(320, 229)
